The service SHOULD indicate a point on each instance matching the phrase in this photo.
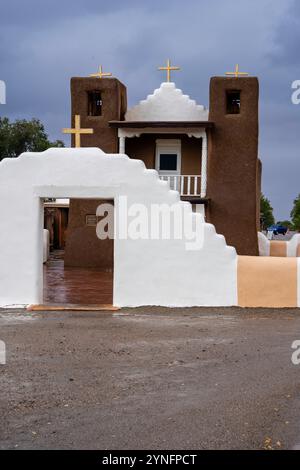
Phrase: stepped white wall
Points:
(167, 103)
(146, 272)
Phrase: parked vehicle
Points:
(278, 229)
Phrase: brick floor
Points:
(69, 285)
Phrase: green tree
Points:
(266, 213)
(23, 136)
(295, 214)
(286, 223)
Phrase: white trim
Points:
(168, 146)
(137, 132)
(204, 165)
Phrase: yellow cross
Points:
(236, 73)
(168, 68)
(77, 131)
(100, 74)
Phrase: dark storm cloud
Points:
(44, 43)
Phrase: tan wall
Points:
(278, 248)
(144, 148)
(267, 281)
(83, 247)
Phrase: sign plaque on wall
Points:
(91, 220)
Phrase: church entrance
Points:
(78, 266)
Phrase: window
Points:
(168, 161)
(233, 102)
(168, 156)
(94, 103)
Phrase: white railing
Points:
(186, 185)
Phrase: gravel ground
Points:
(150, 378)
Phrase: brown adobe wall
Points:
(233, 164)
(83, 247)
(114, 106)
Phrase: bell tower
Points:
(97, 100)
(234, 169)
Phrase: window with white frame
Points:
(168, 156)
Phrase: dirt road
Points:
(150, 378)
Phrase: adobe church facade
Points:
(209, 156)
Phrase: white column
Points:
(204, 165)
(121, 144)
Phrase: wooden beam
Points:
(155, 124)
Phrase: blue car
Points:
(278, 229)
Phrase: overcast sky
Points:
(45, 42)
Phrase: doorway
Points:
(79, 266)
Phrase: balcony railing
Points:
(186, 185)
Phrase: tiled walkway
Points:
(84, 286)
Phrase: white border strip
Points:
(298, 282)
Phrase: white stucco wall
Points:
(292, 245)
(167, 103)
(263, 245)
(146, 272)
